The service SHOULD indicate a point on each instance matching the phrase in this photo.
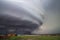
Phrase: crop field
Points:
(33, 38)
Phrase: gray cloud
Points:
(18, 19)
(52, 25)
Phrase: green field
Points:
(33, 38)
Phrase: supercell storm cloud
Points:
(20, 17)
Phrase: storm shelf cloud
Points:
(27, 16)
(19, 17)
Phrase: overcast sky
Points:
(52, 24)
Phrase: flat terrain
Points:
(44, 37)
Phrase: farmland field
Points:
(33, 38)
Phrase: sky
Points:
(52, 24)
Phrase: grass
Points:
(33, 38)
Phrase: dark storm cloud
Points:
(16, 19)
